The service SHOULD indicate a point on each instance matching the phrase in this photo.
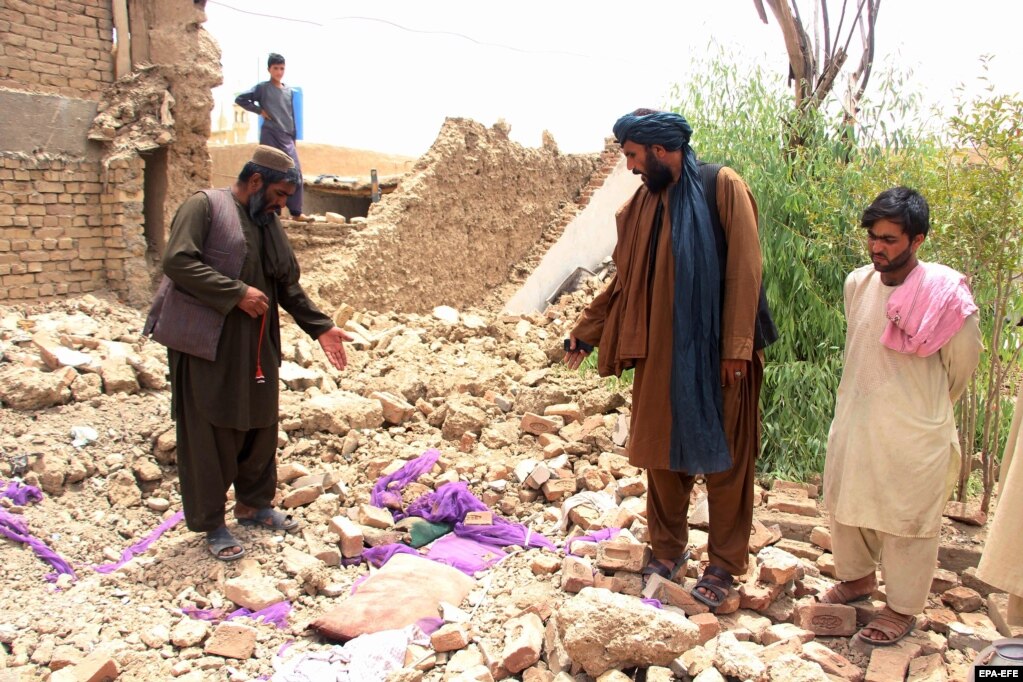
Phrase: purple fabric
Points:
(21, 494)
(652, 602)
(378, 556)
(600, 536)
(203, 614)
(504, 533)
(142, 545)
(276, 614)
(387, 490)
(284, 647)
(468, 556)
(430, 625)
(448, 504)
(13, 527)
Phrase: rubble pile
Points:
(533, 446)
(136, 115)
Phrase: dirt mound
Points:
(470, 209)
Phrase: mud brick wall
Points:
(74, 211)
(55, 225)
(56, 46)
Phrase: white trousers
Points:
(907, 564)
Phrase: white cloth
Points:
(367, 658)
(893, 448)
(1001, 564)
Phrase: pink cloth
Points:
(927, 310)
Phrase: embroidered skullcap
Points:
(665, 128)
(271, 158)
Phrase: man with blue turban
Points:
(686, 310)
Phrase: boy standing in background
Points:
(274, 101)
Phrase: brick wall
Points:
(57, 46)
(71, 219)
(55, 225)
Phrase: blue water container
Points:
(296, 106)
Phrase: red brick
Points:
(708, 624)
(674, 594)
(535, 424)
(450, 637)
(622, 556)
(523, 640)
(826, 620)
(887, 665)
(576, 573)
(927, 669)
(758, 596)
(969, 514)
(962, 599)
(232, 640)
(832, 663)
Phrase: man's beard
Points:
(658, 175)
(894, 264)
(257, 210)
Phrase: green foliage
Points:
(810, 199)
(613, 383)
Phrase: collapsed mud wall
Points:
(472, 207)
(157, 120)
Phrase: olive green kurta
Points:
(226, 419)
(225, 390)
(631, 321)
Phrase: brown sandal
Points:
(894, 629)
(841, 593)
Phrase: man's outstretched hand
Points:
(331, 342)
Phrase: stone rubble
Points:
(539, 445)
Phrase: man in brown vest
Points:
(228, 266)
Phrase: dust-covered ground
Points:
(520, 431)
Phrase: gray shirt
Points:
(277, 102)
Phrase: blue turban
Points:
(669, 130)
(698, 444)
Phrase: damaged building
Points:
(107, 111)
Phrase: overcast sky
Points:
(383, 76)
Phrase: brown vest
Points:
(179, 320)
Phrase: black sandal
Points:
(656, 567)
(716, 580)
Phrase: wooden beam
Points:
(139, 17)
(122, 63)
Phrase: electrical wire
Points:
(407, 29)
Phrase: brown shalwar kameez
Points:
(631, 322)
(226, 420)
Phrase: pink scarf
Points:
(927, 310)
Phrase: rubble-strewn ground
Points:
(489, 394)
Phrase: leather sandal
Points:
(267, 517)
(221, 539)
(894, 629)
(655, 567)
(841, 593)
(718, 582)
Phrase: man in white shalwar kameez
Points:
(1001, 564)
(893, 448)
